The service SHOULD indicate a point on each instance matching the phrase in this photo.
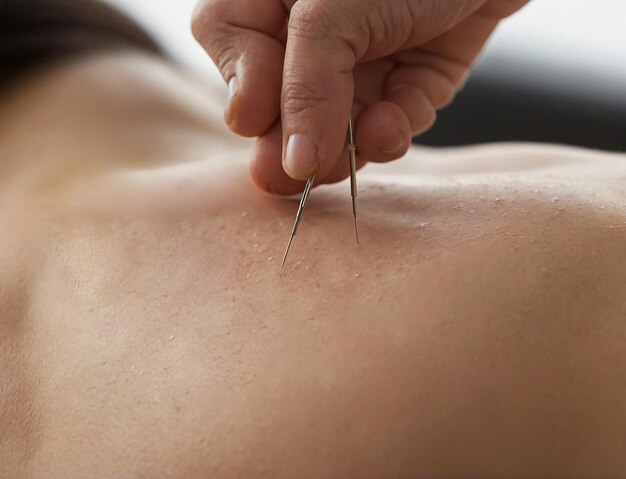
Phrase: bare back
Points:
(477, 330)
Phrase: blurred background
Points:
(554, 72)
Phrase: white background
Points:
(584, 35)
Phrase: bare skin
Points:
(147, 329)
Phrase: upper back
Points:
(477, 330)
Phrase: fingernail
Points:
(232, 87)
(232, 94)
(399, 147)
(301, 158)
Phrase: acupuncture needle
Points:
(353, 186)
(309, 185)
(303, 201)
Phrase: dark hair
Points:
(34, 32)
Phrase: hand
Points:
(297, 70)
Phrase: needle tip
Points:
(282, 265)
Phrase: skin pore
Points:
(148, 330)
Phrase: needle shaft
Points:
(353, 185)
(303, 201)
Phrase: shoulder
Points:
(511, 293)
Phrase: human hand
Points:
(297, 70)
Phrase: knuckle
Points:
(200, 20)
(502, 8)
(197, 27)
(311, 20)
(458, 10)
(224, 50)
(390, 24)
(300, 98)
(224, 57)
(213, 33)
(206, 15)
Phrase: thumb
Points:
(318, 89)
(241, 38)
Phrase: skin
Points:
(391, 64)
(147, 329)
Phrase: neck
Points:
(107, 111)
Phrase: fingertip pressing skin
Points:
(263, 162)
(266, 165)
(383, 132)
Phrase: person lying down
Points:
(148, 329)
